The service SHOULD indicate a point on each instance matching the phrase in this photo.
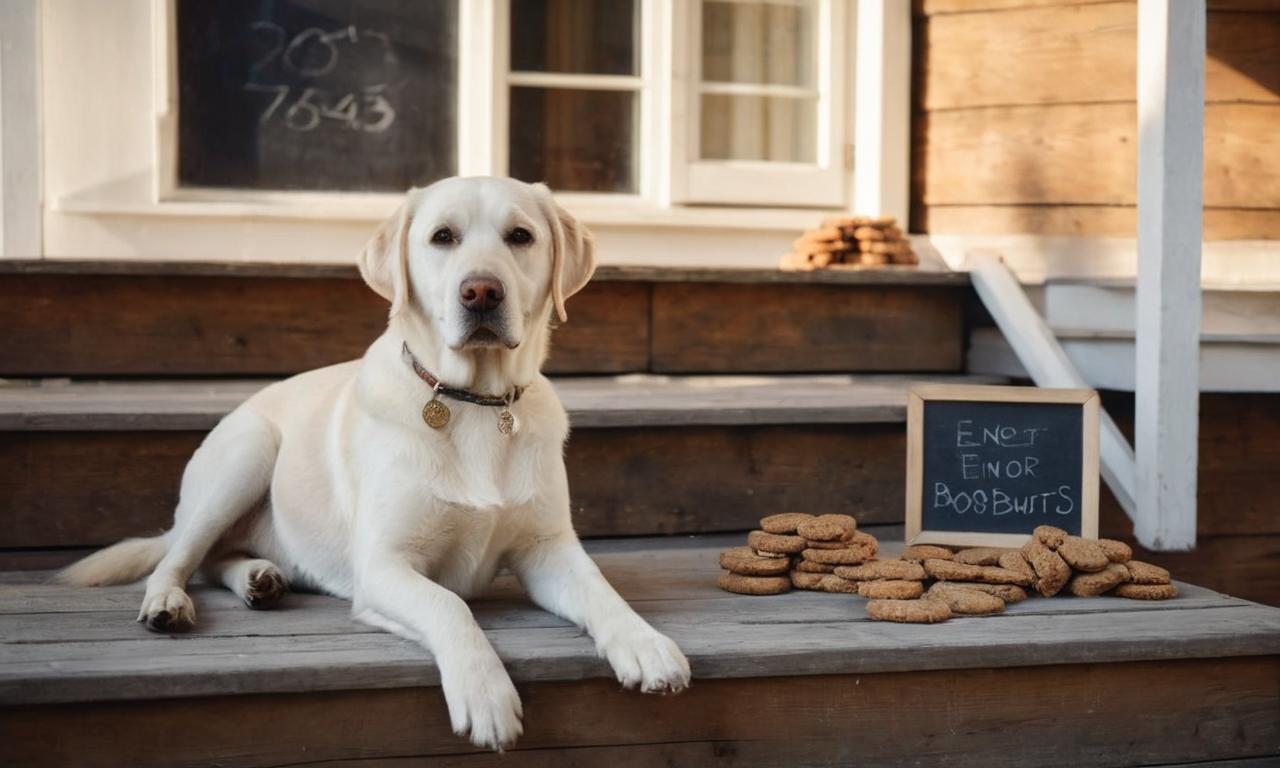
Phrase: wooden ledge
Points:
(637, 400)
(606, 273)
(64, 644)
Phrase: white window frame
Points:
(668, 87)
(823, 183)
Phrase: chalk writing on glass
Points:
(314, 53)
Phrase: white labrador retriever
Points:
(336, 480)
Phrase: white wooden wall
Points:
(20, 187)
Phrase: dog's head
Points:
(480, 261)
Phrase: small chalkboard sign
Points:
(987, 464)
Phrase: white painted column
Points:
(1171, 53)
(20, 170)
(882, 109)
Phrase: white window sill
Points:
(594, 210)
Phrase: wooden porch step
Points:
(93, 319)
(799, 679)
(87, 463)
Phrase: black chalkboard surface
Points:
(317, 94)
(986, 465)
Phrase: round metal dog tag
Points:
(507, 423)
(436, 414)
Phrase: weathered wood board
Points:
(1004, 156)
(1070, 54)
(82, 684)
(1025, 121)
(85, 464)
(91, 488)
(88, 324)
(260, 320)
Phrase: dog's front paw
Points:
(645, 657)
(483, 704)
(168, 610)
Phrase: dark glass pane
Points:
(317, 94)
(583, 36)
(574, 140)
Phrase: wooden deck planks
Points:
(65, 645)
(636, 400)
(1103, 714)
(271, 320)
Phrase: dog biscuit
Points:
(1116, 551)
(921, 552)
(828, 545)
(994, 574)
(1015, 561)
(743, 561)
(1146, 591)
(964, 601)
(1146, 573)
(1052, 572)
(949, 570)
(753, 585)
(774, 542)
(850, 555)
(890, 589)
(1010, 593)
(784, 523)
(828, 528)
(807, 566)
(1082, 554)
(918, 611)
(1049, 536)
(1094, 584)
(822, 582)
(980, 555)
(882, 569)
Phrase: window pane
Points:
(574, 140)
(769, 128)
(580, 36)
(763, 43)
(317, 94)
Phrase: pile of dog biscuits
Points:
(827, 553)
(850, 242)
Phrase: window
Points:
(282, 95)
(658, 101)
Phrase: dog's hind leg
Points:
(227, 476)
(259, 583)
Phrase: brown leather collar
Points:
(464, 395)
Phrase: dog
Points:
(405, 480)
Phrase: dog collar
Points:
(436, 414)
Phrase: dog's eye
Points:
(519, 236)
(442, 236)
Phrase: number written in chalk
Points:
(314, 53)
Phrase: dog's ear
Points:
(384, 260)
(573, 252)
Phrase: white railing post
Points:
(882, 109)
(1171, 53)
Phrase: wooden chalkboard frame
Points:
(918, 395)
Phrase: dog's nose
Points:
(481, 293)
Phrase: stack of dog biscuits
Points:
(852, 242)
(827, 553)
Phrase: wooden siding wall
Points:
(1025, 118)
